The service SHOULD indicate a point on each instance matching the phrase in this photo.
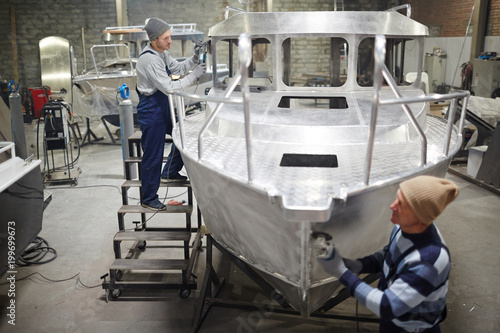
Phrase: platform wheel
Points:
(184, 293)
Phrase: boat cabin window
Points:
(315, 61)
(397, 49)
(261, 69)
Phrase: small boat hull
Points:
(252, 225)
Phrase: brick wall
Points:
(493, 26)
(39, 19)
(449, 18)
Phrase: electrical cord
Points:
(79, 282)
(36, 252)
(114, 186)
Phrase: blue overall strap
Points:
(166, 67)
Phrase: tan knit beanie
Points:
(428, 196)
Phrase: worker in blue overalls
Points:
(154, 69)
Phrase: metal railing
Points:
(382, 72)
(116, 47)
(245, 56)
(397, 8)
(7, 145)
(183, 27)
(229, 8)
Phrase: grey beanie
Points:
(155, 27)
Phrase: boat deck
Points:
(314, 187)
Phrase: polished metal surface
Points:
(263, 212)
(303, 23)
(55, 65)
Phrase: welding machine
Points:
(55, 115)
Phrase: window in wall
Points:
(315, 61)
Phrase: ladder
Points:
(129, 270)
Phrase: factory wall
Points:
(36, 19)
(449, 18)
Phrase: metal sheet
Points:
(265, 216)
(56, 65)
(303, 23)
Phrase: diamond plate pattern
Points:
(312, 187)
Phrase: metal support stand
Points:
(87, 135)
(209, 298)
(109, 132)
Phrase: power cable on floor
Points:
(119, 190)
(77, 276)
(36, 252)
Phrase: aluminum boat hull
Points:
(252, 224)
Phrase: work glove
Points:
(329, 257)
(199, 70)
(354, 266)
(197, 47)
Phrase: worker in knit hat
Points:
(157, 73)
(414, 266)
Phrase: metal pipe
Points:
(380, 70)
(4, 146)
(214, 114)
(232, 100)
(228, 8)
(409, 114)
(449, 127)
(427, 98)
(464, 111)
(397, 8)
(245, 48)
(379, 56)
(84, 51)
(116, 46)
(180, 117)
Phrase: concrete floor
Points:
(81, 221)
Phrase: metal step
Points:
(184, 209)
(138, 183)
(149, 264)
(135, 159)
(136, 138)
(152, 236)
